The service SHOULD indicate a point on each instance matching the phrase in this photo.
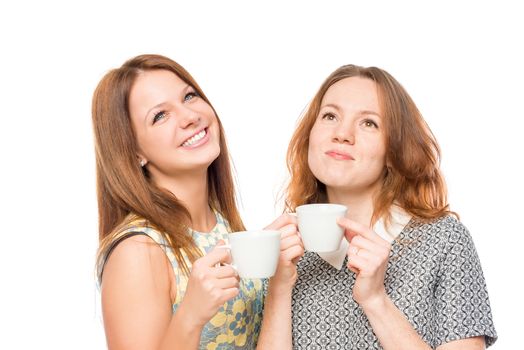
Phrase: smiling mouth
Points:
(339, 156)
(195, 138)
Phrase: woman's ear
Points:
(141, 160)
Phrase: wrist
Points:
(279, 287)
(375, 305)
(187, 320)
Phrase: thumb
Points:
(219, 254)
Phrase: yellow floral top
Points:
(237, 323)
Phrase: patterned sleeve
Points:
(462, 302)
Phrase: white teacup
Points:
(255, 253)
(318, 226)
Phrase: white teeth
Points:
(195, 138)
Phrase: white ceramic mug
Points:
(318, 226)
(254, 253)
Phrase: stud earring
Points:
(143, 162)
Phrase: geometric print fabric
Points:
(433, 276)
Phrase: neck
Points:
(360, 204)
(192, 190)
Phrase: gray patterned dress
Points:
(434, 277)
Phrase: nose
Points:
(189, 118)
(344, 133)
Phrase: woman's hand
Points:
(291, 249)
(210, 286)
(368, 256)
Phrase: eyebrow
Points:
(370, 112)
(337, 107)
(332, 106)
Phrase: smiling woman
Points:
(408, 274)
(166, 200)
(180, 133)
(348, 113)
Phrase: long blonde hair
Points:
(412, 177)
(124, 187)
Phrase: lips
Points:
(339, 155)
(196, 139)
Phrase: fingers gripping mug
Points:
(255, 253)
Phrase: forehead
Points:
(358, 92)
(153, 87)
(155, 81)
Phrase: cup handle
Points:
(226, 246)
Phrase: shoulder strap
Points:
(103, 259)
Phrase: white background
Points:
(260, 64)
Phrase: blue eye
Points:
(159, 116)
(190, 95)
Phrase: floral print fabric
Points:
(237, 323)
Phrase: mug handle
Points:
(226, 246)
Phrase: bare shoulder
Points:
(137, 293)
(136, 257)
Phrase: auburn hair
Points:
(412, 176)
(124, 187)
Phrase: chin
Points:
(337, 184)
(332, 178)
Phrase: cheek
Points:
(377, 156)
(144, 145)
(158, 141)
(204, 109)
(151, 148)
(215, 132)
(315, 140)
(314, 161)
(312, 147)
(213, 121)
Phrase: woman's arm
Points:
(368, 256)
(391, 327)
(395, 332)
(137, 293)
(276, 324)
